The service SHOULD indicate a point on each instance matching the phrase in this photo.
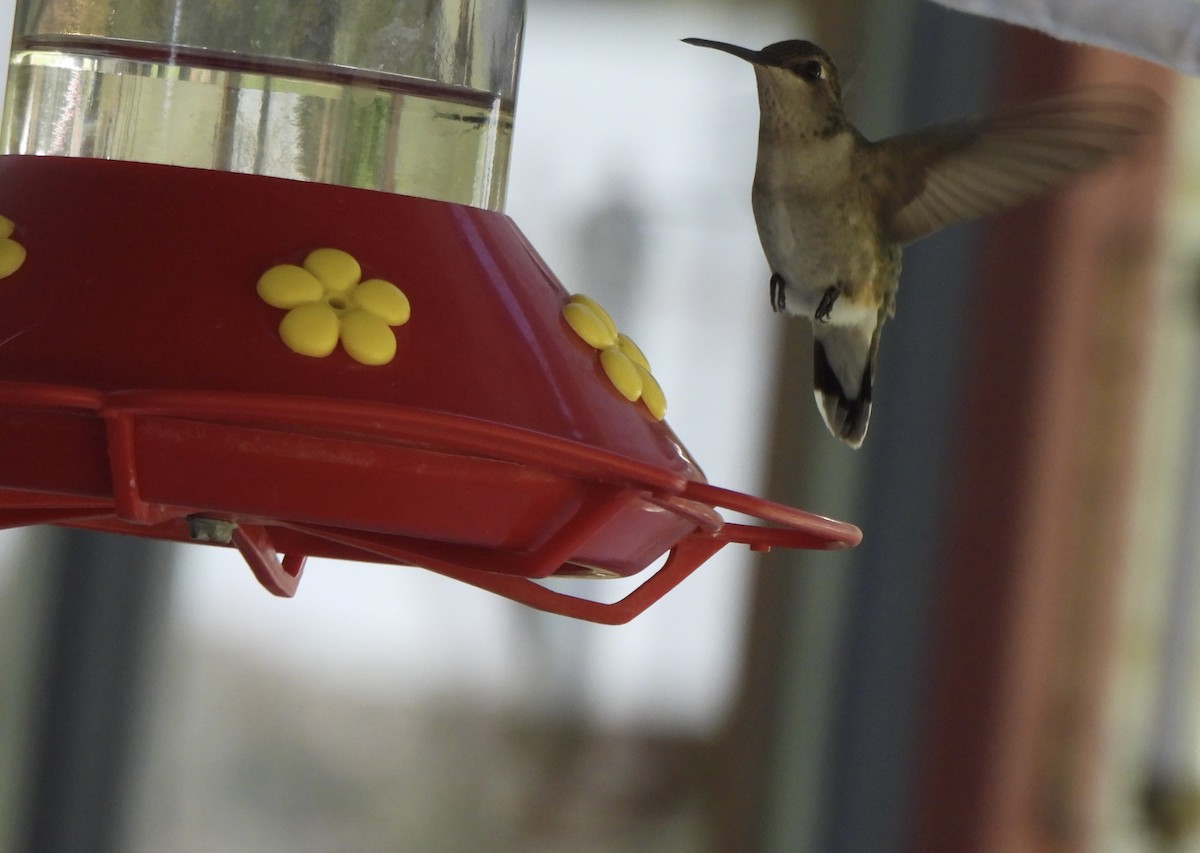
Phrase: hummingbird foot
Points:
(778, 293)
(825, 306)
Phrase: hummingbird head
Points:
(795, 77)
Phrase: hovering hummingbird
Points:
(833, 208)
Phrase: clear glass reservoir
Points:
(404, 96)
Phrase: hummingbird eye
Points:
(811, 70)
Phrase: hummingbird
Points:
(834, 209)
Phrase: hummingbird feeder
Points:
(258, 291)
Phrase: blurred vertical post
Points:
(1023, 629)
(105, 600)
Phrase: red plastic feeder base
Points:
(150, 385)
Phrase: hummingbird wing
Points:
(968, 169)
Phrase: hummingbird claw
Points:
(778, 293)
(825, 306)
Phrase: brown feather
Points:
(976, 167)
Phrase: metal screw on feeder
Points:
(283, 311)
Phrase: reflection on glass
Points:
(411, 97)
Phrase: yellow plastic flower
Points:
(624, 364)
(326, 303)
(12, 253)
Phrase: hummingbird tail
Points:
(845, 412)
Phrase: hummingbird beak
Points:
(753, 56)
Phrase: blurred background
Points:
(1008, 662)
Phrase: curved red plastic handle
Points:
(685, 557)
(280, 577)
(795, 527)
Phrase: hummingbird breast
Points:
(819, 229)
